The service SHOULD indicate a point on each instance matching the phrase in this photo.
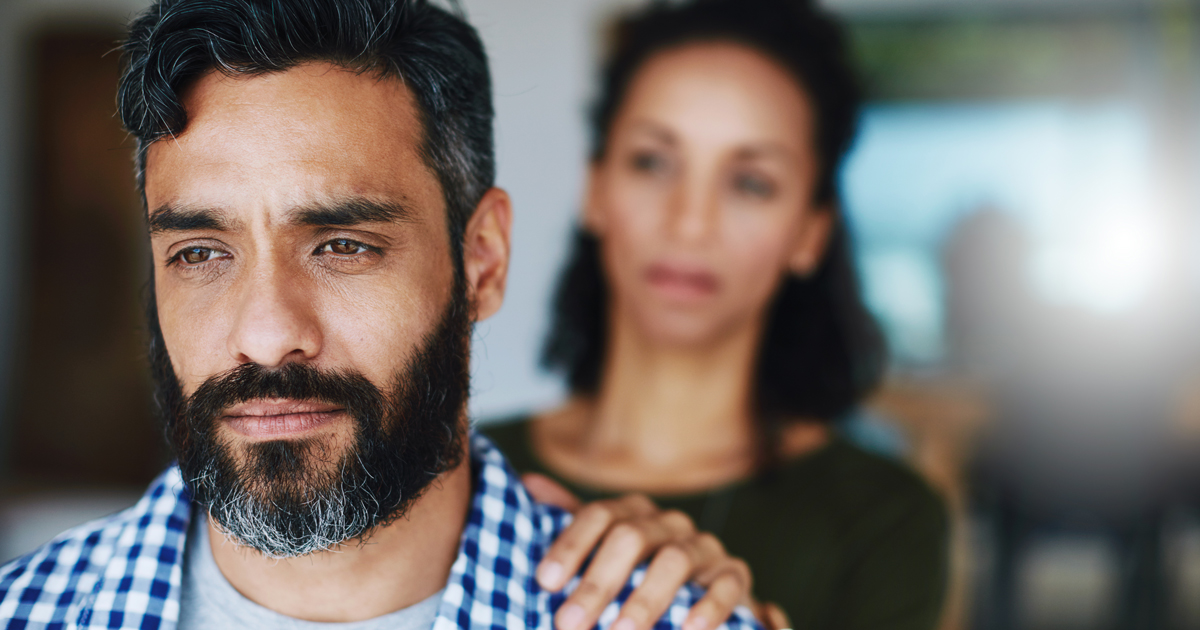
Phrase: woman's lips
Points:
(682, 283)
(276, 418)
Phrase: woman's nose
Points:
(693, 214)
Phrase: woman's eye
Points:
(197, 255)
(648, 162)
(344, 247)
(754, 185)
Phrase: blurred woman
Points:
(709, 322)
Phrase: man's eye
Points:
(344, 247)
(197, 255)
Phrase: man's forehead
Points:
(308, 91)
(314, 130)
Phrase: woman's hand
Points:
(624, 533)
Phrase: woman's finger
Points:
(710, 557)
(725, 592)
(772, 617)
(693, 558)
(668, 571)
(625, 546)
(576, 542)
(546, 490)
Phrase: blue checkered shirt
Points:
(125, 571)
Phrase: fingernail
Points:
(696, 623)
(550, 574)
(570, 617)
(624, 623)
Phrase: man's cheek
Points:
(196, 354)
(377, 336)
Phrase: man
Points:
(317, 176)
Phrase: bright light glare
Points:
(1110, 265)
(903, 285)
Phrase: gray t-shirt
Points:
(209, 601)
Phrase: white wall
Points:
(542, 63)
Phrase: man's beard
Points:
(288, 498)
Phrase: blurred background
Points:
(1025, 200)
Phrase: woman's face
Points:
(703, 200)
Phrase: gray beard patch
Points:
(332, 509)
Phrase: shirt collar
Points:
(491, 582)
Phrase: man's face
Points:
(303, 277)
(266, 169)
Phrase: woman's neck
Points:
(665, 420)
(666, 404)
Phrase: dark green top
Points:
(840, 538)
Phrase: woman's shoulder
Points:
(859, 484)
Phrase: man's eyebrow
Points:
(351, 212)
(168, 218)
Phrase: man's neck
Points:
(398, 566)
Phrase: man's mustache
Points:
(362, 399)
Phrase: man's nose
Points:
(276, 321)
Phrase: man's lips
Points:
(280, 417)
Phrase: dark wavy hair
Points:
(434, 51)
(822, 351)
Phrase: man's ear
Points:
(812, 241)
(593, 208)
(487, 247)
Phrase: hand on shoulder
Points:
(621, 534)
